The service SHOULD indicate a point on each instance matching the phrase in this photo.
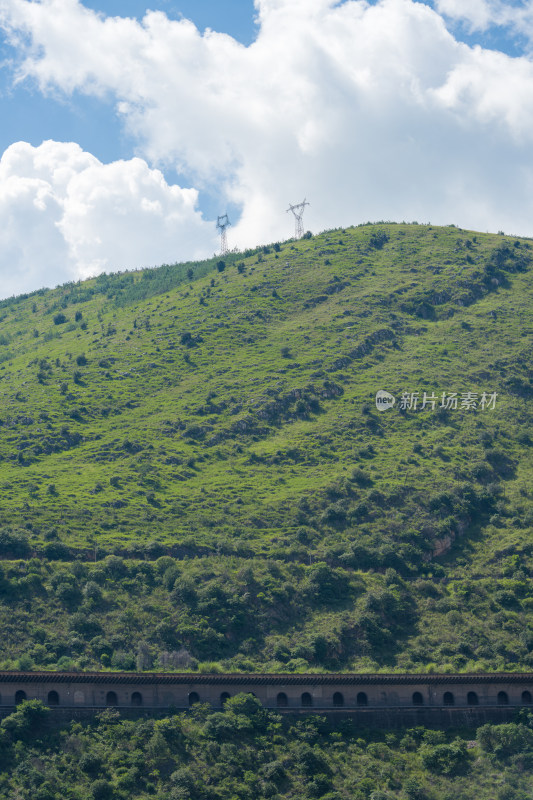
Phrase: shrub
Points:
(25, 722)
(378, 239)
(93, 592)
(359, 477)
(327, 585)
(445, 759)
(115, 566)
(309, 761)
(68, 594)
(60, 319)
(414, 790)
(14, 544)
(221, 266)
(505, 740)
(56, 551)
(102, 790)
(90, 763)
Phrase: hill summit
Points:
(207, 436)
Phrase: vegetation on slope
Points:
(193, 469)
(248, 753)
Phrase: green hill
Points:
(193, 467)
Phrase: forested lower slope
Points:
(193, 468)
(247, 753)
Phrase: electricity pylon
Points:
(298, 211)
(222, 223)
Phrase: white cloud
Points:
(478, 13)
(64, 215)
(483, 14)
(372, 111)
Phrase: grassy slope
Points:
(192, 430)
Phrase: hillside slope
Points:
(225, 416)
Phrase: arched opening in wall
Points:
(526, 698)
(338, 699)
(362, 699)
(136, 699)
(53, 698)
(418, 700)
(503, 699)
(307, 700)
(282, 700)
(111, 699)
(20, 696)
(448, 699)
(194, 697)
(472, 699)
(223, 697)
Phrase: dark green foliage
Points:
(14, 544)
(102, 790)
(446, 759)
(328, 586)
(243, 752)
(414, 790)
(56, 551)
(378, 239)
(505, 740)
(25, 724)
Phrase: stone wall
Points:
(374, 697)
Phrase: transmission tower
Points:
(298, 211)
(222, 223)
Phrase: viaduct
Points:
(376, 698)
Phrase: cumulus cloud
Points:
(483, 14)
(372, 111)
(64, 215)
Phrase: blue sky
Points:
(371, 110)
(28, 115)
